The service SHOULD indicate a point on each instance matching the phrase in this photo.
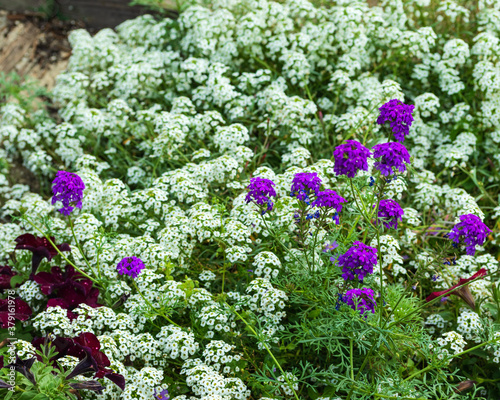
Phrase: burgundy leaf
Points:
(40, 247)
(22, 311)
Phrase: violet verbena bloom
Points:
(304, 183)
(472, 230)
(68, 189)
(260, 191)
(163, 395)
(360, 299)
(350, 157)
(330, 199)
(358, 261)
(399, 115)
(392, 155)
(131, 266)
(330, 246)
(389, 211)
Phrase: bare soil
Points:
(33, 46)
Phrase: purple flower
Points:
(163, 395)
(399, 115)
(260, 191)
(329, 199)
(392, 155)
(472, 230)
(358, 261)
(68, 189)
(330, 246)
(390, 212)
(131, 266)
(303, 183)
(360, 299)
(350, 157)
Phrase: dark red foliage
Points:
(40, 247)
(22, 311)
(85, 347)
(6, 274)
(67, 289)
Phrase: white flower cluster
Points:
(207, 277)
(450, 344)
(217, 354)
(289, 380)
(205, 381)
(389, 256)
(144, 384)
(469, 324)
(267, 265)
(434, 321)
(268, 302)
(176, 342)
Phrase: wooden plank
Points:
(16, 45)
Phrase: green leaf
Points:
(314, 313)
(41, 396)
(16, 279)
(28, 395)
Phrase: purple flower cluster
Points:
(358, 261)
(472, 230)
(329, 199)
(360, 299)
(390, 212)
(400, 117)
(304, 183)
(392, 155)
(260, 191)
(68, 189)
(350, 157)
(131, 266)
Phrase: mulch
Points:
(33, 46)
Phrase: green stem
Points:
(365, 361)
(352, 358)
(353, 130)
(153, 308)
(61, 254)
(281, 243)
(78, 244)
(433, 301)
(268, 350)
(432, 366)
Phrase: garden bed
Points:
(259, 201)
